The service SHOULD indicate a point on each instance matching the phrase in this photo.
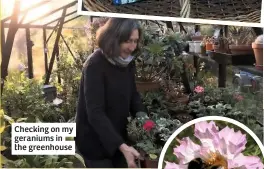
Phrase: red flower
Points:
(148, 125)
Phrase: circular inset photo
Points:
(212, 143)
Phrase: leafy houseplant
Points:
(241, 39)
(174, 94)
(157, 56)
(149, 133)
(148, 67)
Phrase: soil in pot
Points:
(241, 49)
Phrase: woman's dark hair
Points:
(114, 32)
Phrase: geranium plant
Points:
(149, 133)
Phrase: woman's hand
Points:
(130, 154)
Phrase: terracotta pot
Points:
(182, 100)
(197, 38)
(209, 46)
(147, 86)
(241, 49)
(148, 163)
(258, 52)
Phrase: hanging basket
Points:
(248, 11)
(235, 10)
(144, 7)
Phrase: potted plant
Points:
(175, 94)
(149, 134)
(149, 66)
(241, 39)
(258, 51)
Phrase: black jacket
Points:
(107, 97)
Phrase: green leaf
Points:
(153, 156)
(2, 148)
(21, 119)
(3, 159)
(79, 157)
(61, 163)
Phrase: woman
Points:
(108, 96)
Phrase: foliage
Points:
(23, 98)
(243, 107)
(30, 161)
(241, 35)
(159, 54)
(151, 132)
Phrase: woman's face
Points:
(126, 48)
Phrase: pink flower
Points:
(199, 89)
(148, 125)
(187, 151)
(222, 147)
(238, 97)
(246, 162)
(232, 142)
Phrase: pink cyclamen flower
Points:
(223, 148)
(199, 89)
(238, 97)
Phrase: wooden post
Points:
(222, 75)
(9, 43)
(225, 31)
(169, 25)
(45, 46)
(56, 44)
(58, 62)
(29, 54)
(2, 39)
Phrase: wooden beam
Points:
(9, 43)
(72, 19)
(60, 18)
(56, 45)
(52, 12)
(23, 26)
(26, 10)
(52, 32)
(182, 27)
(58, 62)
(45, 50)
(68, 48)
(29, 54)
(2, 38)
